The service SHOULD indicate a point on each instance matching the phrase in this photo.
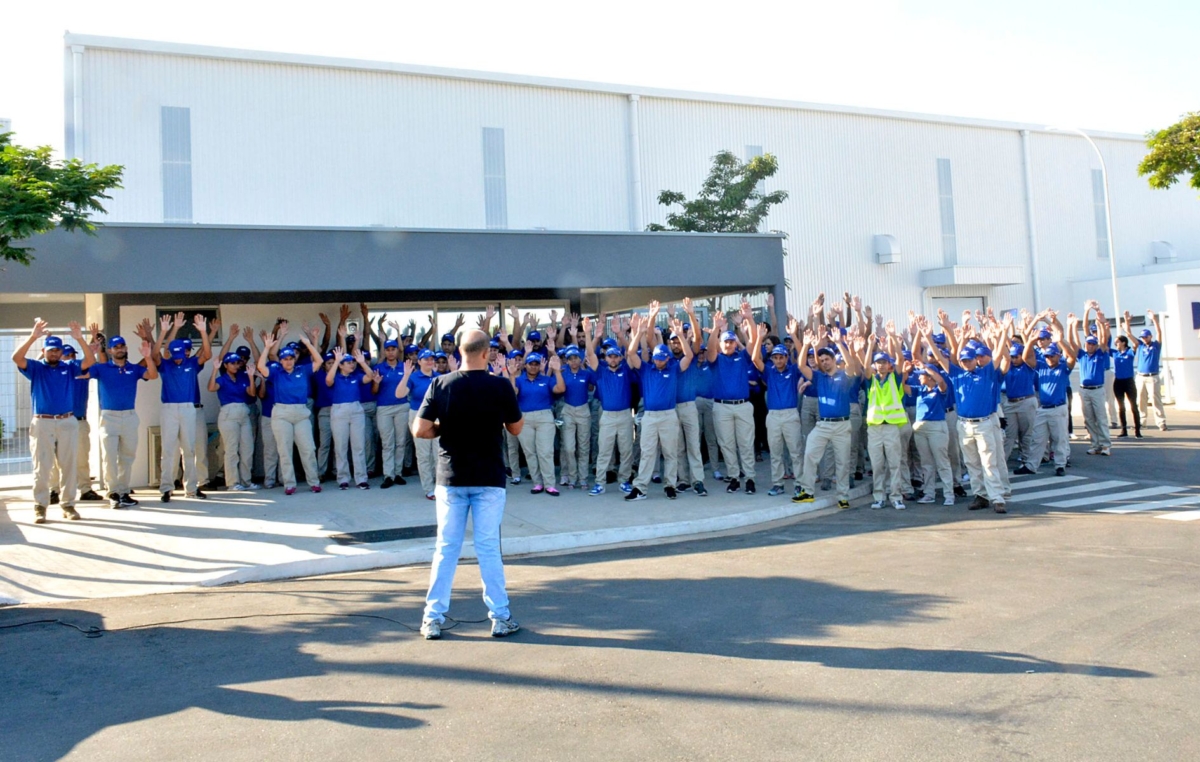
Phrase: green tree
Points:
(729, 200)
(1174, 151)
(39, 193)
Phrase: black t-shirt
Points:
(471, 407)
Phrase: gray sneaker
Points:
(431, 630)
(502, 628)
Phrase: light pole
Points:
(1112, 258)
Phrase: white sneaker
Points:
(926, 499)
(253, 486)
(877, 504)
(268, 484)
(949, 499)
(239, 488)
(898, 505)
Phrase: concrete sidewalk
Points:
(254, 536)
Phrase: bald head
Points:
(474, 349)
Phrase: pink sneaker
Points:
(289, 491)
(317, 488)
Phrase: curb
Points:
(422, 553)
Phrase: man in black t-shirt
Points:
(466, 410)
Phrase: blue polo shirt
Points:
(613, 387)
(268, 400)
(390, 379)
(659, 387)
(975, 391)
(366, 390)
(1092, 366)
(347, 388)
(291, 388)
(731, 376)
(1020, 381)
(179, 382)
(781, 386)
(536, 393)
(117, 384)
(703, 380)
(577, 385)
(1052, 383)
(1147, 357)
(232, 391)
(689, 382)
(418, 384)
(834, 393)
(52, 387)
(931, 403)
(1122, 363)
(79, 403)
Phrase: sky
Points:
(1096, 64)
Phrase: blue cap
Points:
(289, 345)
(1016, 350)
(411, 348)
(425, 354)
(286, 352)
(560, 352)
(68, 349)
(779, 350)
(966, 353)
(243, 351)
(494, 343)
(983, 351)
(674, 336)
(687, 326)
(448, 337)
(661, 353)
(514, 354)
(729, 336)
(573, 352)
(534, 357)
(326, 356)
(391, 343)
(366, 355)
(1092, 340)
(974, 344)
(53, 342)
(613, 352)
(939, 338)
(535, 335)
(231, 357)
(116, 341)
(439, 355)
(826, 352)
(907, 354)
(176, 347)
(1146, 333)
(882, 357)
(1052, 351)
(1044, 334)
(347, 357)
(187, 343)
(609, 342)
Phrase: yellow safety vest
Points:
(885, 403)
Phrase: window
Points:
(751, 152)
(946, 209)
(1100, 214)
(495, 194)
(177, 164)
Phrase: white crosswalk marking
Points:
(1016, 485)
(1176, 502)
(1134, 495)
(1181, 516)
(1072, 490)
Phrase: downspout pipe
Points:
(1034, 278)
(635, 166)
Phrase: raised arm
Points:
(590, 342)
(206, 338)
(269, 343)
(635, 341)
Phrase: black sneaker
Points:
(843, 505)
(858, 476)
(657, 479)
(115, 503)
(701, 490)
(399, 481)
(683, 487)
(733, 486)
(53, 497)
(1024, 470)
(1138, 435)
(344, 485)
(635, 494)
(165, 497)
(670, 492)
(1060, 471)
(364, 485)
(126, 501)
(387, 482)
(749, 486)
(980, 502)
(959, 491)
(199, 494)
(91, 495)
(802, 497)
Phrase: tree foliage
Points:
(39, 193)
(1174, 151)
(729, 201)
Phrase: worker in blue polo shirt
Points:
(704, 412)
(576, 446)
(783, 380)
(691, 463)
(346, 417)
(1093, 361)
(367, 397)
(291, 420)
(660, 389)
(426, 449)
(832, 430)
(177, 414)
(1124, 388)
(1054, 371)
(614, 388)
(83, 470)
(1147, 360)
(391, 412)
(931, 434)
(1020, 409)
(117, 382)
(732, 413)
(322, 407)
(236, 390)
(53, 430)
(535, 392)
(270, 449)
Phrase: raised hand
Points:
(514, 365)
(338, 354)
(687, 304)
(761, 331)
(555, 363)
(324, 318)
(248, 333)
(282, 328)
(180, 320)
(528, 346)
(856, 303)
(793, 325)
(771, 298)
(234, 329)
(76, 331)
(587, 326)
(550, 343)
(145, 348)
(201, 324)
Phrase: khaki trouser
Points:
(576, 443)
(834, 435)
(537, 440)
(616, 427)
(907, 450)
(858, 432)
(933, 442)
(1051, 431)
(808, 422)
(118, 438)
(783, 430)
(1095, 416)
(83, 468)
(324, 440)
(292, 424)
(427, 455)
(885, 443)
(954, 446)
(660, 433)
(370, 434)
(735, 434)
(349, 428)
(997, 435)
(392, 422)
(1149, 391)
(982, 457)
(689, 443)
(53, 440)
(201, 449)
(1110, 394)
(237, 437)
(1022, 417)
(704, 411)
(270, 452)
(512, 448)
(177, 431)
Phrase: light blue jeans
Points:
(486, 506)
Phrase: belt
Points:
(730, 402)
(1147, 375)
(1094, 387)
(974, 420)
(1018, 399)
(835, 420)
(56, 417)
(1051, 407)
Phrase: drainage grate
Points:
(385, 535)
